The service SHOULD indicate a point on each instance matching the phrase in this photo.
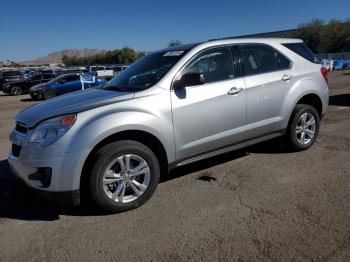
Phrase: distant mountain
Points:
(56, 57)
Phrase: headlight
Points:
(52, 129)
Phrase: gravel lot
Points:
(266, 204)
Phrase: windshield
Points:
(146, 72)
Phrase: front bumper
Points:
(37, 94)
(64, 178)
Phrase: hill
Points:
(56, 57)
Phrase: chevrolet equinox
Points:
(170, 108)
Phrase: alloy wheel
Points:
(305, 128)
(126, 178)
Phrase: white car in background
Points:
(101, 72)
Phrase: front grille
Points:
(16, 149)
(21, 128)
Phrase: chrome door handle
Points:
(234, 90)
(286, 77)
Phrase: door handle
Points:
(234, 90)
(286, 77)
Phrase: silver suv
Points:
(170, 108)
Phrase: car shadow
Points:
(29, 100)
(17, 201)
(339, 100)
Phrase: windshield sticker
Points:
(173, 53)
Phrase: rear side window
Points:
(258, 59)
(215, 65)
(303, 50)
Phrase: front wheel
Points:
(125, 175)
(48, 94)
(303, 127)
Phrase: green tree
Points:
(312, 34)
(333, 37)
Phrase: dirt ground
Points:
(264, 204)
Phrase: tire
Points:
(301, 134)
(120, 195)
(16, 91)
(48, 94)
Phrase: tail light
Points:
(324, 74)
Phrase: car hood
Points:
(71, 103)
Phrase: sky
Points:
(31, 29)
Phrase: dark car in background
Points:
(65, 84)
(73, 71)
(22, 86)
(9, 76)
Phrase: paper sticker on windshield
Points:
(173, 53)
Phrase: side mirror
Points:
(190, 79)
(62, 81)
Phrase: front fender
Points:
(94, 125)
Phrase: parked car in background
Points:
(101, 72)
(327, 64)
(65, 84)
(337, 65)
(10, 76)
(346, 65)
(73, 71)
(117, 68)
(28, 72)
(170, 108)
(22, 86)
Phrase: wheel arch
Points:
(313, 100)
(143, 137)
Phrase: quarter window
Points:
(214, 65)
(259, 59)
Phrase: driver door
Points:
(212, 115)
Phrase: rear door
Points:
(268, 79)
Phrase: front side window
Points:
(259, 59)
(213, 65)
(72, 78)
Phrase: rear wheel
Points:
(124, 177)
(16, 91)
(49, 94)
(303, 127)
